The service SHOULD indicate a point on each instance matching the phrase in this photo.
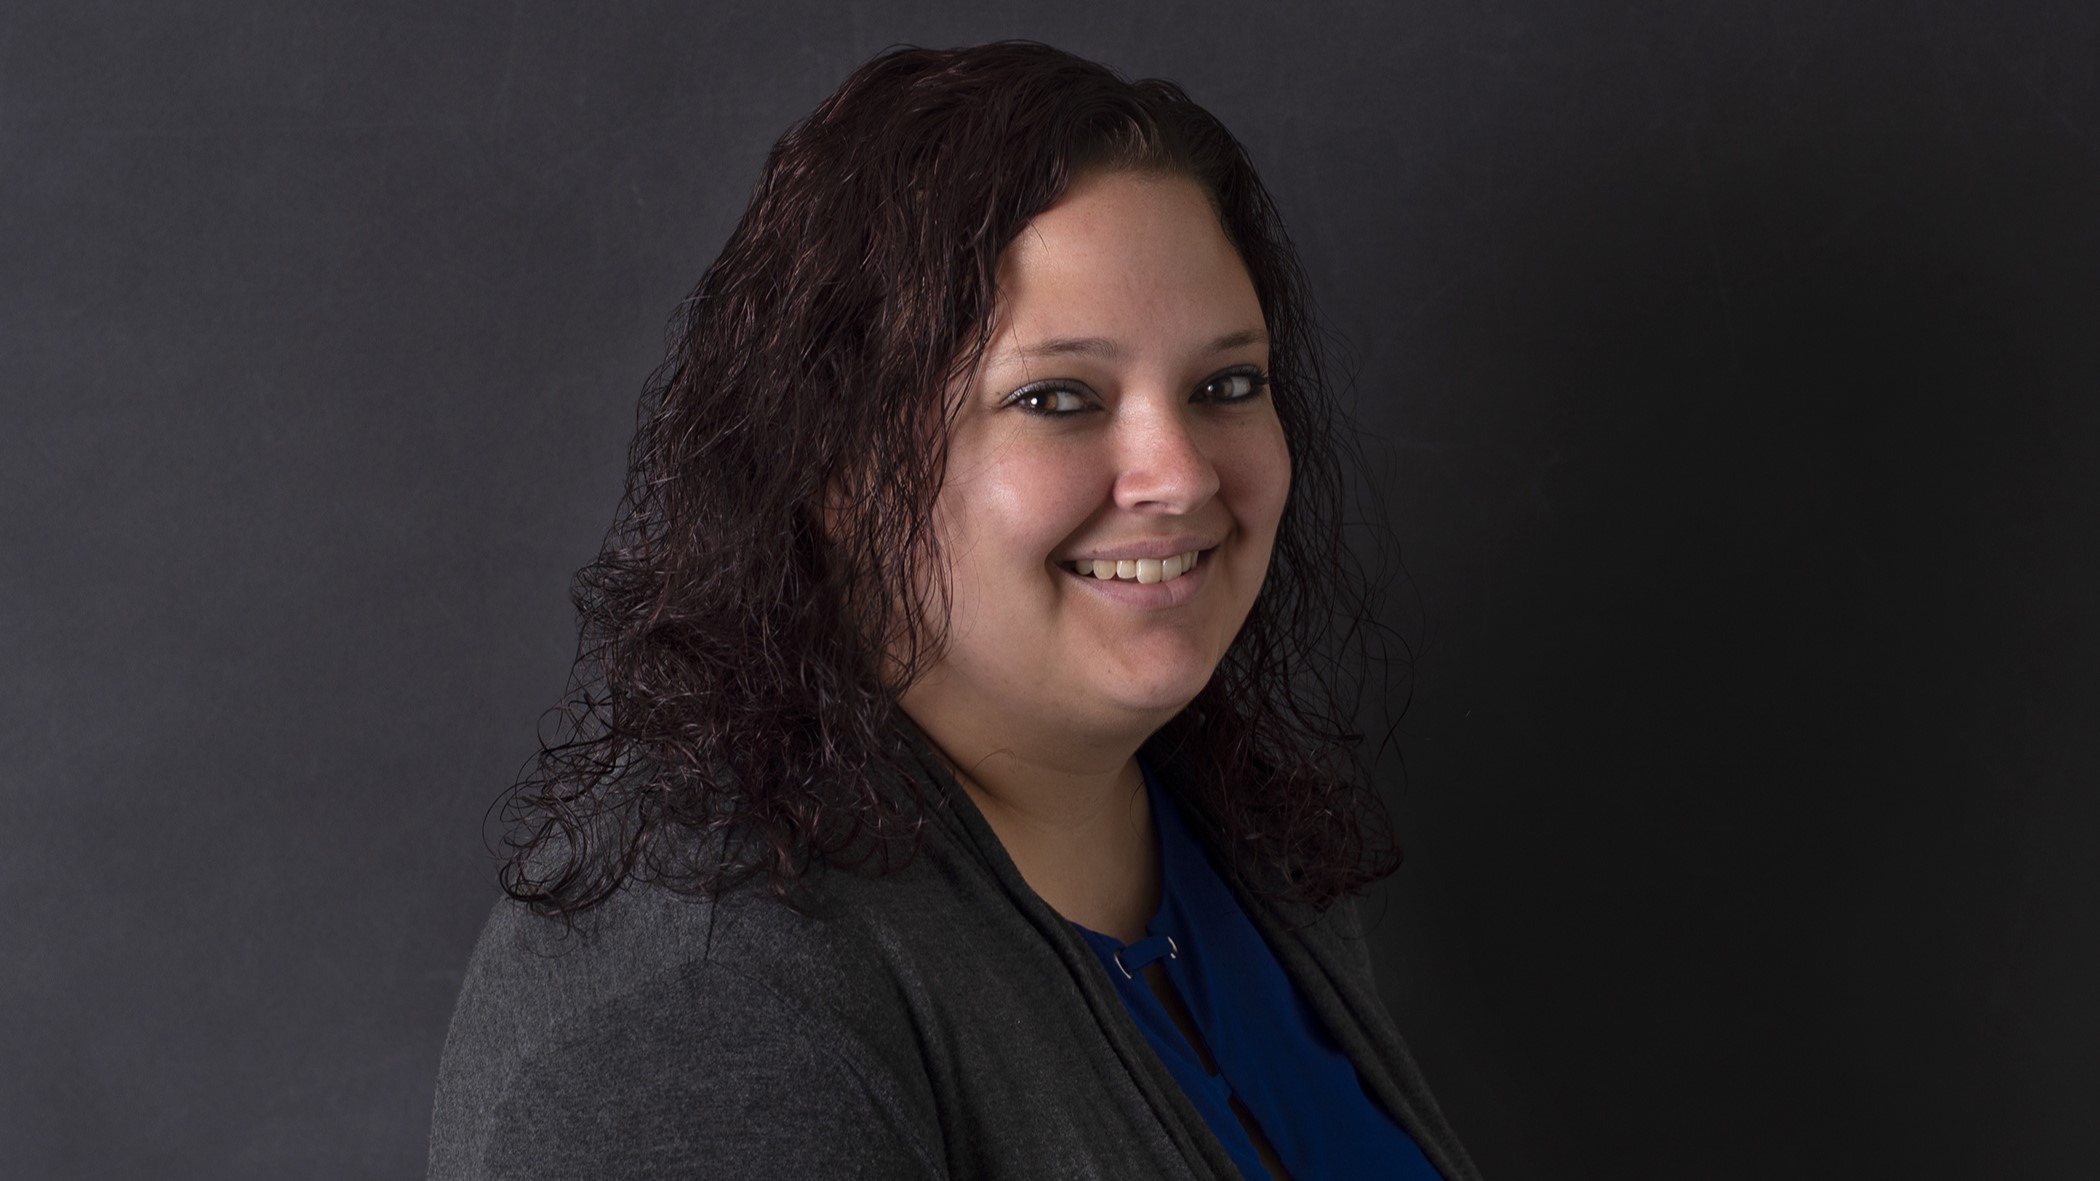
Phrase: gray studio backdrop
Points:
(1727, 371)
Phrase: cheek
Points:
(1259, 478)
(1004, 517)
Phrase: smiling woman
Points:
(1154, 440)
(949, 788)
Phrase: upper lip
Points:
(1148, 547)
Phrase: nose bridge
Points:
(1163, 459)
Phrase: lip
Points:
(1124, 592)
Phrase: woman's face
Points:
(1120, 416)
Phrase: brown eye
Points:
(1047, 400)
(1233, 387)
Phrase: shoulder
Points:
(664, 1029)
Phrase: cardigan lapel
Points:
(1179, 1122)
(1314, 949)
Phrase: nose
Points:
(1163, 463)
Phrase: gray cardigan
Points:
(939, 1021)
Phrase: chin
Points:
(1161, 698)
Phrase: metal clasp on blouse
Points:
(1173, 953)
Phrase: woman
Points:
(947, 793)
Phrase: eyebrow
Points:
(1103, 348)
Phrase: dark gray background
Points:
(1729, 373)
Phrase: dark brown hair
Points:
(740, 660)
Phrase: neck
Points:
(1072, 815)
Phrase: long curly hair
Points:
(744, 642)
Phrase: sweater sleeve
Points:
(708, 1076)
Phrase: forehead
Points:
(1127, 262)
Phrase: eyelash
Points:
(1256, 379)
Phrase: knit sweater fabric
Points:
(937, 1021)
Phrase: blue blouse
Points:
(1271, 1050)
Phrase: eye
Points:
(1047, 400)
(1237, 385)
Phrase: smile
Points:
(1146, 570)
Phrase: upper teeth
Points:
(1138, 569)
